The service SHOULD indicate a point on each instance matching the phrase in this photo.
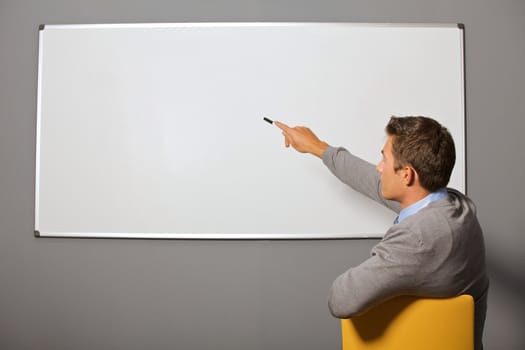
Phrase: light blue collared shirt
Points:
(417, 206)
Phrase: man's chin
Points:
(386, 196)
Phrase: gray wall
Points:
(125, 294)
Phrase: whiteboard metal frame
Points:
(201, 236)
(245, 24)
(205, 236)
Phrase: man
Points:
(435, 247)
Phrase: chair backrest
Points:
(410, 323)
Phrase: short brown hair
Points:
(425, 145)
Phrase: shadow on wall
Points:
(508, 275)
(506, 302)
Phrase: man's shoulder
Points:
(453, 207)
(445, 217)
(459, 204)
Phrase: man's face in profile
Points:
(392, 185)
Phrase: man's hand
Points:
(302, 139)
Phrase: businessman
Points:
(435, 246)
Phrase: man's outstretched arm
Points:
(351, 170)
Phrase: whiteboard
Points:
(157, 131)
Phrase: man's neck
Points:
(413, 196)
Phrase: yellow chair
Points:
(411, 323)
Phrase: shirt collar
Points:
(414, 208)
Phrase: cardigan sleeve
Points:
(392, 270)
(357, 173)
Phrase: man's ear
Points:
(410, 176)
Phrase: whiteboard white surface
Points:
(156, 130)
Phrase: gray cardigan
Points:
(437, 252)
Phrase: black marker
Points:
(268, 120)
